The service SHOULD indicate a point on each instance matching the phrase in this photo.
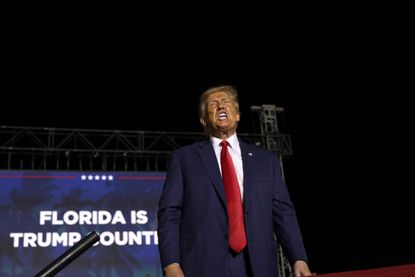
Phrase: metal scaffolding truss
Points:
(269, 128)
(82, 149)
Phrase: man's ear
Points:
(238, 117)
(202, 121)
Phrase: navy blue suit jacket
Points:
(192, 217)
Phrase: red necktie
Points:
(237, 237)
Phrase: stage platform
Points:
(392, 271)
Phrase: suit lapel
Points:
(248, 164)
(208, 157)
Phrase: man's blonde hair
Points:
(229, 90)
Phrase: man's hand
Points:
(173, 270)
(301, 269)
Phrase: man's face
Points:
(222, 115)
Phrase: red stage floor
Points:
(392, 271)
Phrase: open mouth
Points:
(222, 116)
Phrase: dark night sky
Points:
(346, 85)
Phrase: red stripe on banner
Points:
(36, 177)
(142, 177)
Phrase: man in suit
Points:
(196, 215)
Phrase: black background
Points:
(345, 82)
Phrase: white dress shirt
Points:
(235, 152)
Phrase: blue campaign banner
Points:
(44, 213)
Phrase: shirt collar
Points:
(232, 140)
